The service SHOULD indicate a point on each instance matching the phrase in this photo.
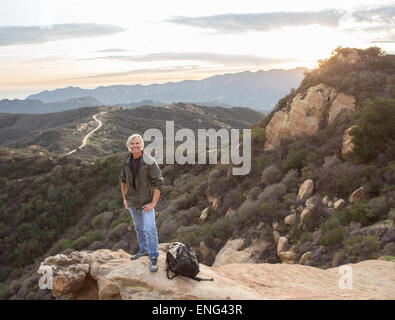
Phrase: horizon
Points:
(48, 45)
(144, 85)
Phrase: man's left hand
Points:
(148, 207)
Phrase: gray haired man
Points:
(141, 185)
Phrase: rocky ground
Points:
(106, 274)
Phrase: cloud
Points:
(380, 14)
(111, 50)
(19, 35)
(262, 21)
(226, 59)
(139, 71)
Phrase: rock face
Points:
(232, 253)
(112, 275)
(319, 106)
(348, 145)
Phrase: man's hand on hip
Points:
(148, 207)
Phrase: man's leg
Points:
(152, 234)
(139, 226)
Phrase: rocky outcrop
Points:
(348, 145)
(233, 252)
(308, 112)
(105, 274)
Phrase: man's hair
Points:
(131, 138)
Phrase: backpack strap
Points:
(202, 279)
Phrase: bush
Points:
(94, 236)
(291, 180)
(332, 233)
(254, 192)
(273, 192)
(295, 160)
(378, 207)
(68, 244)
(248, 211)
(375, 131)
(359, 248)
(271, 175)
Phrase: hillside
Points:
(320, 196)
(63, 131)
(38, 107)
(258, 90)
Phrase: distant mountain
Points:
(37, 106)
(258, 90)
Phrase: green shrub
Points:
(375, 131)
(248, 211)
(295, 160)
(68, 244)
(360, 247)
(378, 207)
(271, 175)
(94, 236)
(332, 233)
(274, 192)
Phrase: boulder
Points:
(305, 214)
(276, 236)
(232, 252)
(305, 190)
(305, 257)
(360, 193)
(339, 204)
(290, 219)
(287, 257)
(204, 215)
(325, 200)
(282, 245)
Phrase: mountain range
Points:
(257, 90)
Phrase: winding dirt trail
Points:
(85, 140)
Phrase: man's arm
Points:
(123, 190)
(122, 178)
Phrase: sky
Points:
(49, 44)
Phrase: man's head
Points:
(135, 143)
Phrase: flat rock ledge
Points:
(105, 274)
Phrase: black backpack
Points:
(181, 261)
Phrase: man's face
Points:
(135, 145)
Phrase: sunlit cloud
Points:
(195, 56)
(262, 21)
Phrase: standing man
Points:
(141, 185)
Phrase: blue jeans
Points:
(145, 227)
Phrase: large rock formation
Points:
(319, 106)
(105, 274)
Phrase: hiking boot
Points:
(153, 265)
(138, 255)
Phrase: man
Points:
(141, 185)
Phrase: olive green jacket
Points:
(148, 178)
